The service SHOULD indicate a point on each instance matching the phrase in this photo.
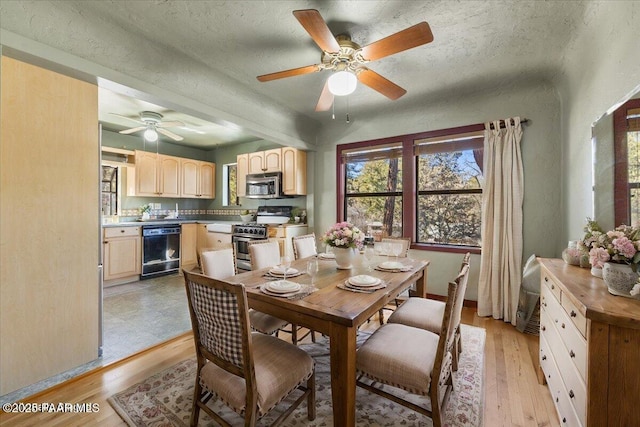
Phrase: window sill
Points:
(446, 248)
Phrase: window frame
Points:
(409, 182)
(621, 205)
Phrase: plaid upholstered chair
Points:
(248, 371)
(427, 314)
(220, 263)
(265, 254)
(410, 359)
(304, 246)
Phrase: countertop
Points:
(185, 221)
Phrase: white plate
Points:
(364, 281)
(327, 255)
(391, 265)
(283, 286)
(279, 271)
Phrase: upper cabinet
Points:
(159, 175)
(294, 171)
(265, 161)
(288, 160)
(198, 179)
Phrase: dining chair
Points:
(238, 366)
(221, 263)
(406, 243)
(425, 313)
(410, 359)
(304, 246)
(265, 254)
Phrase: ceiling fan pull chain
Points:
(348, 109)
(333, 110)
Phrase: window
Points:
(627, 162)
(427, 186)
(449, 176)
(230, 189)
(373, 193)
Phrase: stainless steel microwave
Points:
(264, 186)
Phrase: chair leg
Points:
(313, 336)
(381, 316)
(311, 398)
(195, 411)
(294, 334)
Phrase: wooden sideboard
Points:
(589, 348)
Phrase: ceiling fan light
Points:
(150, 134)
(342, 83)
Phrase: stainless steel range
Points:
(241, 236)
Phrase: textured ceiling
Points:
(477, 45)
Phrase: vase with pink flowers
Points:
(617, 253)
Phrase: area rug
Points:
(165, 398)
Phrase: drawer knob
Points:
(557, 400)
(122, 231)
(573, 313)
(564, 420)
(544, 357)
(544, 328)
(546, 279)
(553, 286)
(571, 394)
(562, 325)
(571, 353)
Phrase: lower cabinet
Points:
(208, 239)
(121, 255)
(188, 248)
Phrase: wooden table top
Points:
(329, 302)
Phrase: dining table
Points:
(331, 308)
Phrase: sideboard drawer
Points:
(552, 285)
(110, 232)
(574, 314)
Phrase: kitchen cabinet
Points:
(208, 239)
(198, 179)
(265, 161)
(294, 171)
(157, 175)
(589, 343)
(242, 169)
(288, 160)
(121, 254)
(283, 234)
(188, 245)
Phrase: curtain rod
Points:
(523, 121)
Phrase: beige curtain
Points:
(501, 261)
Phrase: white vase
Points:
(619, 278)
(344, 257)
(596, 271)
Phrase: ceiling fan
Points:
(347, 59)
(152, 124)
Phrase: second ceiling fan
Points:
(347, 59)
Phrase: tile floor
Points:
(135, 316)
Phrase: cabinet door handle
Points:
(571, 394)
(573, 313)
(571, 353)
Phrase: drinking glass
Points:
(285, 263)
(312, 269)
(369, 253)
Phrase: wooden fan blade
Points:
(132, 130)
(326, 98)
(289, 73)
(376, 82)
(317, 28)
(169, 134)
(171, 124)
(408, 38)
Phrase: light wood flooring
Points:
(513, 396)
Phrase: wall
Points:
(49, 233)
(541, 149)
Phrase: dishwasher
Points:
(160, 250)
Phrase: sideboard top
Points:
(591, 296)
